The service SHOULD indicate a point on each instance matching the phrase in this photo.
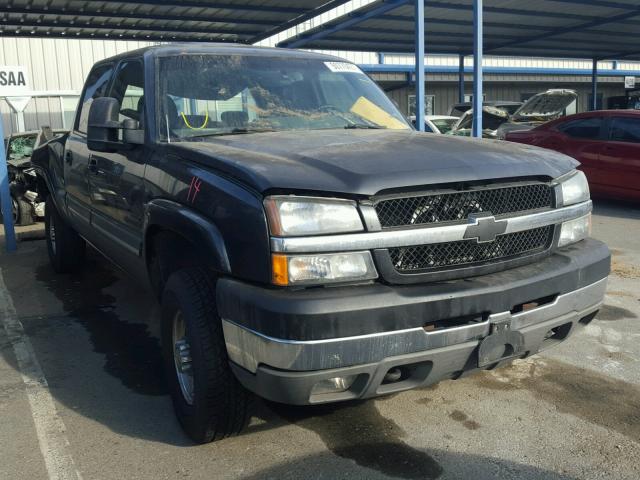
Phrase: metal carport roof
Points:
(600, 29)
(241, 21)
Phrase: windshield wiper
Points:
(249, 130)
(364, 126)
(235, 131)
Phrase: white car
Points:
(437, 123)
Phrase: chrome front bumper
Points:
(250, 349)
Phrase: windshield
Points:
(510, 109)
(445, 124)
(21, 147)
(206, 95)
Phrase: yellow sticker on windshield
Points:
(370, 111)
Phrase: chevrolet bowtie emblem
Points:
(484, 228)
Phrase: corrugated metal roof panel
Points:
(188, 20)
(545, 28)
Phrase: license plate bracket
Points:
(502, 344)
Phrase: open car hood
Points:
(492, 118)
(545, 106)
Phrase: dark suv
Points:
(305, 242)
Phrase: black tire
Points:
(219, 404)
(14, 211)
(66, 248)
(24, 213)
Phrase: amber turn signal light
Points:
(279, 270)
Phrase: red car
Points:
(606, 143)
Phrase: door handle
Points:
(93, 165)
(68, 157)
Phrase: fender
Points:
(47, 161)
(56, 194)
(192, 225)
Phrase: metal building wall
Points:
(56, 69)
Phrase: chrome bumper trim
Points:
(249, 349)
(420, 236)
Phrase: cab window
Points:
(128, 89)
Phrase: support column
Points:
(419, 51)
(5, 199)
(594, 85)
(477, 68)
(461, 79)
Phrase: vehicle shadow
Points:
(467, 466)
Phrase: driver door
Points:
(116, 178)
(77, 155)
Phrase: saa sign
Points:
(13, 81)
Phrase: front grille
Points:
(424, 258)
(457, 206)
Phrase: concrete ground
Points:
(93, 402)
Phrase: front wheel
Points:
(66, 248)
(208, 400)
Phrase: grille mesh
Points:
(469, 252)
(446, 207)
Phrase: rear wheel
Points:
(208, 400)
(66, 248)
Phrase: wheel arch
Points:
(178, 237)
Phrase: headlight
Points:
(575, 230)
(575, 188)
(296, 216)
(322, 268)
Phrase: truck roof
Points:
(220, 49)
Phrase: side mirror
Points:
(103, 125)
(103, 130)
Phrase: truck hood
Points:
(365, 162)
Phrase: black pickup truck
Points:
(306, 244)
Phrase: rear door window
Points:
(587, 128)
(95, 87)
(625, 130)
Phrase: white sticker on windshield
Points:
(342, 67)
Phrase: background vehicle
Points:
(305, 242)
(606, 143)
(437, 123)
(492, 118)
(458, 109)
(26, 202)
(629, 101)
(541, 108)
